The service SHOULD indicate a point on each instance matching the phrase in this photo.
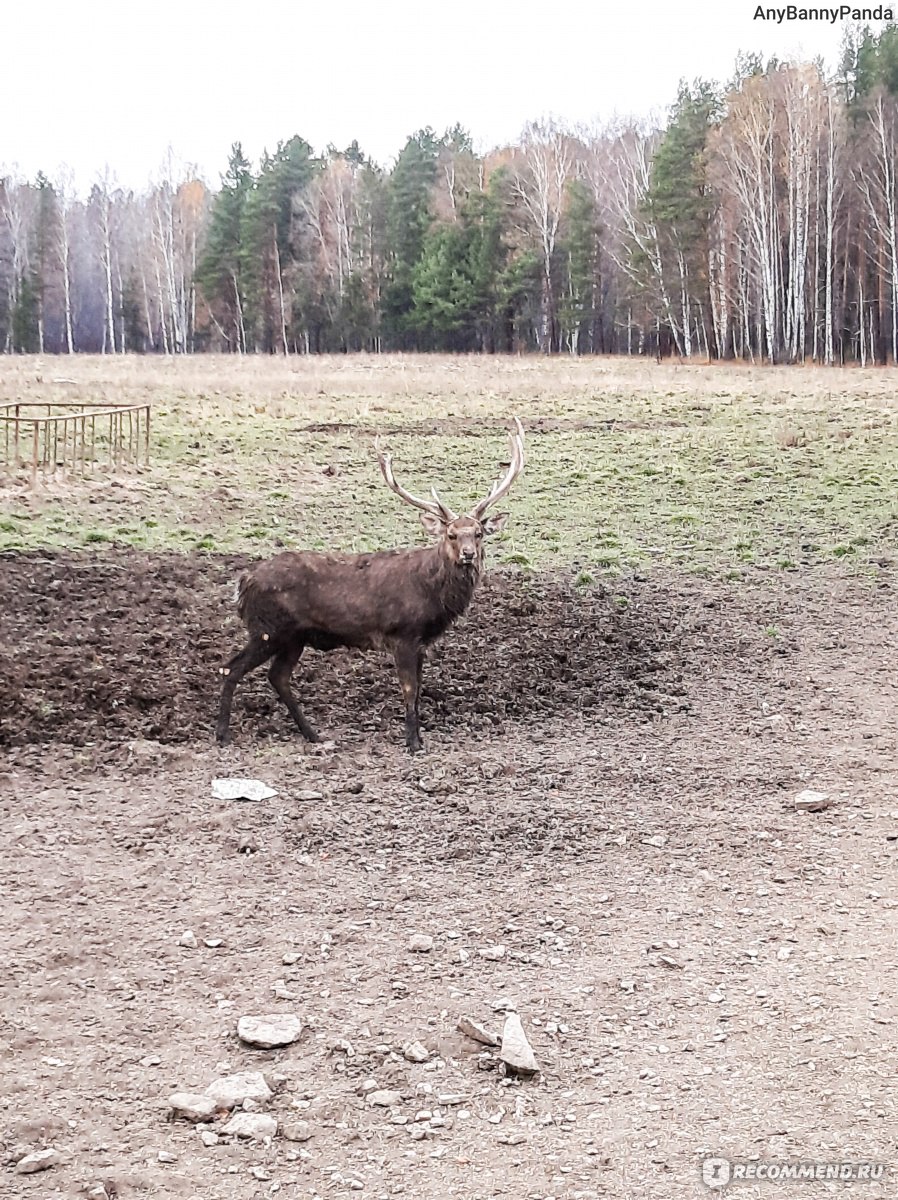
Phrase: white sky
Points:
(90, 83)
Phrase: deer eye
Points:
(479, 534)
(453, 537)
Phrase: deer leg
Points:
(279, 678)
(420, 665)
(252, 656)
(408, 666)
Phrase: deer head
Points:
(461, 537)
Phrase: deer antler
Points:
(499, 488)
(435, 507)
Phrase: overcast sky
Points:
(90, 83)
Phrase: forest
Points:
(759, 223)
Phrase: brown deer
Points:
(394, 600)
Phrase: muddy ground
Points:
(608, 794)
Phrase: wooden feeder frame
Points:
(64, 436)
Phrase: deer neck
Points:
(457, 585)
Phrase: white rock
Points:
(241, 789)
(308, 795)
(40, 1160)
(192, 1106)
(251, 1125)
(289, 959)
(165, 1156)
(297, 1131)
(512, 1138)
(208, 1138)
(477, 1032)
(231, 1090)
(269, 1031)
(382, 1098)
(415, 1052)
(492, 953)
(188, 939)
(420, 943)
(809, 801)
(516, 1052)
(213, 943)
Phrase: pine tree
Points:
(222, 267)
(680, 206)
(409, 215)
(581, 247)
(26, 316)
(271, 244)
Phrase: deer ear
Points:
(495, 524)
(433, 524)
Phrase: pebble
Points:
(492, 953)
(188, 939)
(231, 1090)
(297, 1131)
(308, 795)
(165, 1156)
(192, 1106)
(477, 1032)
(241, 789)
(420, 943)
(40, 1160)
(516, 1052)
(151, 1060)
(658, 840)
(208, 1138)
(810, 801)
(415, 1052)
(270, 1031)
(251, 1125)
(512, 1138)
(383, 1098)
(289, 959)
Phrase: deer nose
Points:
(467, 554)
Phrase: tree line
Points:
(760, 223)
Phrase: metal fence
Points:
(46, 438)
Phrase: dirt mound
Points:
(128, 644)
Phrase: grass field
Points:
(690, 620)
(710, 469)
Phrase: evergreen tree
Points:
(26, 316)
(581, 246)
(271, 240)
(221, 270)
(409, 215)
(680, 206)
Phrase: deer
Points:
(400, 601)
